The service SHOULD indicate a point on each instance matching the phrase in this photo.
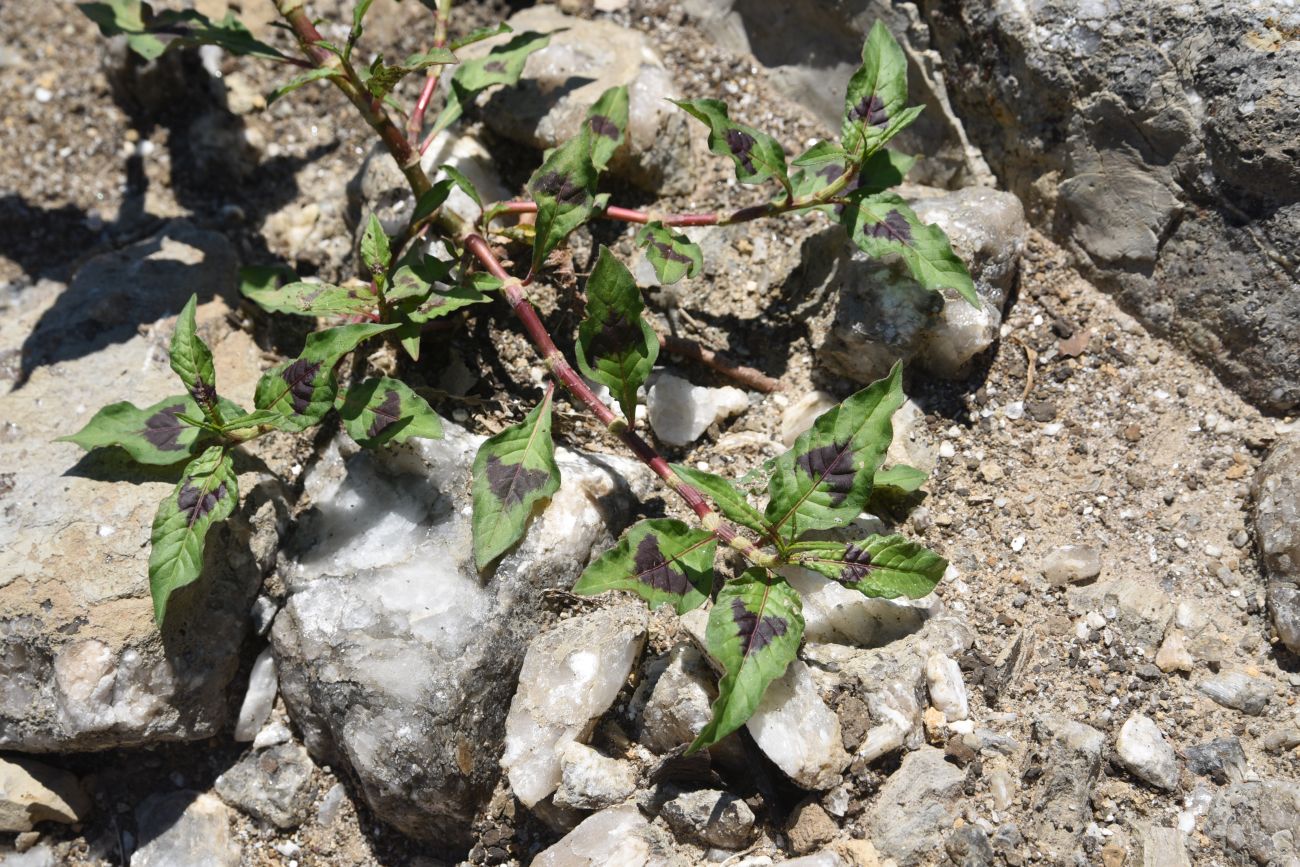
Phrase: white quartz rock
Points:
(835, 614)
(947, 690)
(591, 781)
(617, 836)
(467, 155)
(1145, 752)
(259, 698)
(681, 412)
(570, 677)
(798, 732)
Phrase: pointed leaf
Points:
(443, 303)
(206, 493)
(376, 255)
(502, 65)
(382, 410)
(479, 35)
(317, 74)
(313, 299)
(882, 223)
(154, 435)
(672, 254)
(754, 631)
(901, 478)
(824, 480)
(564, 188)
(607, 121)
(465, 184)
(886, 566)
(303, 390)
(616, 346)
(660, 560)
(381, 77)
(877, 92)
(757, 155)
(730, 502)
(513, 471)
(191, 360)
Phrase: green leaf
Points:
(479, 35)
(502, 65)
(672, 254)
(206, 493)
(376, 255)
(882, 223)
(150, 35)
(730, 502)
(607, 121)
(382, 410)
(757, 155)
(660, 560)
(381, 77)
(439, 304)
(415, 278)
(154, 435)
(303, 390)
(317, 74)
(754, 631)
(253, 419)
(824, 480)
(616, 346)
(564, 188)
(125, 17)
(358, 17)
(262, 278)
(465, 184)
(877, 93)
(901, 478)
(883, 169)
(191, 360)
(313, 299)
(513, 471)
(887, 566)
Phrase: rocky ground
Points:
(1107, 674)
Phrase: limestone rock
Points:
(1069, 754)
(1145, 752)
(1139, 609)
(184, 829)
(618, 835)
(916, 807)
(947, 690)
(397, 659)
(798, 732)
(259, 698)
(680, 412)
(32, 792)
(1071, 564)
(1276, 494)
(710, 817)
(1257, 820)
(274, 785)
(680, 705)
(590, 781)
(1239, 691)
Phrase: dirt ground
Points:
(1077, 427)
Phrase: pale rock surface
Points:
(397, 659)
(1161, 847)
(798, 732)
(800, 415)
(591, 781)
(1137, 608)
(836, 614)
(32, 792)
(680, 412)
(1145, 752)
(259, 699)
(562, 80)
(184, 829)
(82, 664)
(1276, 493)
(947, 689)
(916, 806)
(1257, 820)
(1238, 690)
(570, 676)
(680, 705)
(1173, 654)
(1059, 798)
(1071, 564)
(273, 785)
(616, 836)
(710, 817)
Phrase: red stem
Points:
(415, 123)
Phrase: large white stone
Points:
(1145, 752)
(681, 412)
(617, 837)
(259, 699)
(798, 732)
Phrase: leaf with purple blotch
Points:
(380, 78)
(206, 493)
(825, 479)
(730, 502)
(303, 390)
(376, 254)
(824, 163)
(876, 98)
(671, 254)
(153, 435)
(754, 630)
(513, 471)
(191, 360)
(381, 410)
(757, 155)
(661, 560)
(616, 345)
(882, 224)
(607, 122)
(564, 188)
(502, 65)
(886, 566)
(313, 299)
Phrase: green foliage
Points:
(381, 77)
(383, 410)
(311, 299)
(757, 156)
(502, 65)
(888, 566)
(662, 561)
(607, 122)
(671, 254)
(191, 360)
(875, 102)
(149, 34)
(153, 435)
(730, 502)
(616, 346)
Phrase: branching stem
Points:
(415, 123)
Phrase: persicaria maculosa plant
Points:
(821, 484)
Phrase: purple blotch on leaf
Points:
(670, 253)
(741, 145)
(560, 187)
(494, 66)
(603, 126)
(204, 393)
(857, 563)
(195, 503)
(163, 429)
(616, 334)
(830, 466)
(755, 632)
(510, 483)
(830, 172)
(299, 376)
(893, 228)
(654, 570)
(872, 110)
(386, 414)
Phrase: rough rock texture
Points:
(1068, 760)
(82, 664)
(1277, 533)
(561, 81)
(874, 313)
(797, 731)
(1145, 752)
(273, 785)
(184, 828)
(396, 658)
(32, 792)
(711, 817)
(619, 835)
(680, 703)
(1137, 608)
(1159, 142)
(591, 781)
(917, 805)
(570, 676)
(1257, 822)
(681, 412)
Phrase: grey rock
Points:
(184, 829)
(1071, 564)
(710, 817)
(1283, 739)
(618, 835)
(1145, 752)
(32, 792)
(1257, 821)
(680, 704)
(590, 781)
(916, 806)
(258, 699)
(562, 80)
(1161, 847)
(38, 856)
(274, 785)
(1068, 756)
(1221, 759)
(82, 664)
(1139, 609)
(969, 846)
(1239, 691)
(1276, 494)
(1158, 143)
(796, 730)
(397, 659)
